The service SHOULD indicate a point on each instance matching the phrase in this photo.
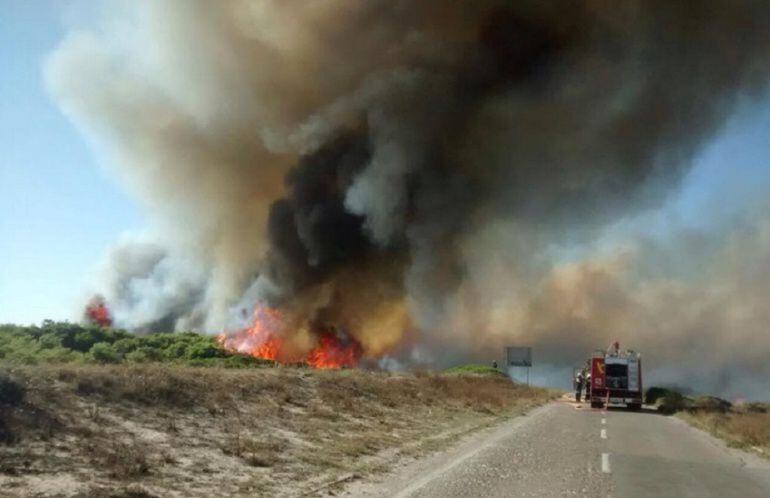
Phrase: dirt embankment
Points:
(746, 427)
(171, 431)
(742, 425)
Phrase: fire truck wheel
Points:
(596, 404)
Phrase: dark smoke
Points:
(514, 128)
(310, 231)
(406, 132)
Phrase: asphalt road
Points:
(564, 449)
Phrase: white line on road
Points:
(604, 433)
(604, 421)
(606, 463)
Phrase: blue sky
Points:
(60, 210)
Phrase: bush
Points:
(176, 351)
(710, 404)
(60, 355)
(475, 370)
(50, 341)
(125, 346)
(672, 402)
(653, 394)
(137, 356)
(203, 350)
(104, 352)
(756, 407)
(63, 342)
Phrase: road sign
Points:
(518, 356)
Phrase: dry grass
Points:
(174, 431)
(746, 427)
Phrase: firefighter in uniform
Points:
(588, 387)
(579, 380)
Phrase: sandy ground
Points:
(175, 432)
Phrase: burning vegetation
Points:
(265, 338)
(97, 312)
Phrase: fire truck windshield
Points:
(617, 370)
(617, 376)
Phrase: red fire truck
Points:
(616, 378)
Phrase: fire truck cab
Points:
(616, 378)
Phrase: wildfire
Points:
(334, 352)
(97, 313)
(264, 339)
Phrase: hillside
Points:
(167, 430)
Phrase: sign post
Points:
(520, 357)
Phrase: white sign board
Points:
(518, 357)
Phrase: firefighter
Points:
(587, 377)
(579, 380)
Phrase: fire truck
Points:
(616, 378)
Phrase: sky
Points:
(60, 210)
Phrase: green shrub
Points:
(203, 350)
(50, 341)
(104, 352)
(672, 402)
(653, 394)
(60, 355)
(124, 346)
(475, 369)
(63, 342)
(176, 351)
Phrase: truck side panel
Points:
(597, 373)
(633, 374)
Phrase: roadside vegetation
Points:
(64, 342)
(744, 425)
(156, 429)
(475, 369)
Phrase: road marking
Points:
(604, 433)
(606, 463)
(604, 421)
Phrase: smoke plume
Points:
(403, 169)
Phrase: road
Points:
(565, 449)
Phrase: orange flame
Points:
(97, 312)
(264, 338)
(332, 352)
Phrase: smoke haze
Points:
(415, 172)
